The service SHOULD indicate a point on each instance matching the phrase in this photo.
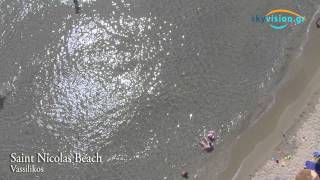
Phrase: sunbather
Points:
(315, 166)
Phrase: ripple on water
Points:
(89, 79)
(70, 2)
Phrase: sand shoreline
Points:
(297, 145)
(256, 144)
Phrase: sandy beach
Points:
(296, 147)
(289, 129)
(302, 139)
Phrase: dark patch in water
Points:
(76, 5)
(2, 102)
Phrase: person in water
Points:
(185, 174)
(76, 5)
(318, 23)
(212, 136)
(206, 145)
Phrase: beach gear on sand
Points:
(313, 166)
(316, 154)
(310, 165)
(287, 157)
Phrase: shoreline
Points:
(255, 145)
(296, 146)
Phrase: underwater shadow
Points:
(2, 103)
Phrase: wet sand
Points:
(300, 141)
(297, 91)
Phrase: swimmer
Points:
(206, 145)
(184, 174)
(212, 136)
